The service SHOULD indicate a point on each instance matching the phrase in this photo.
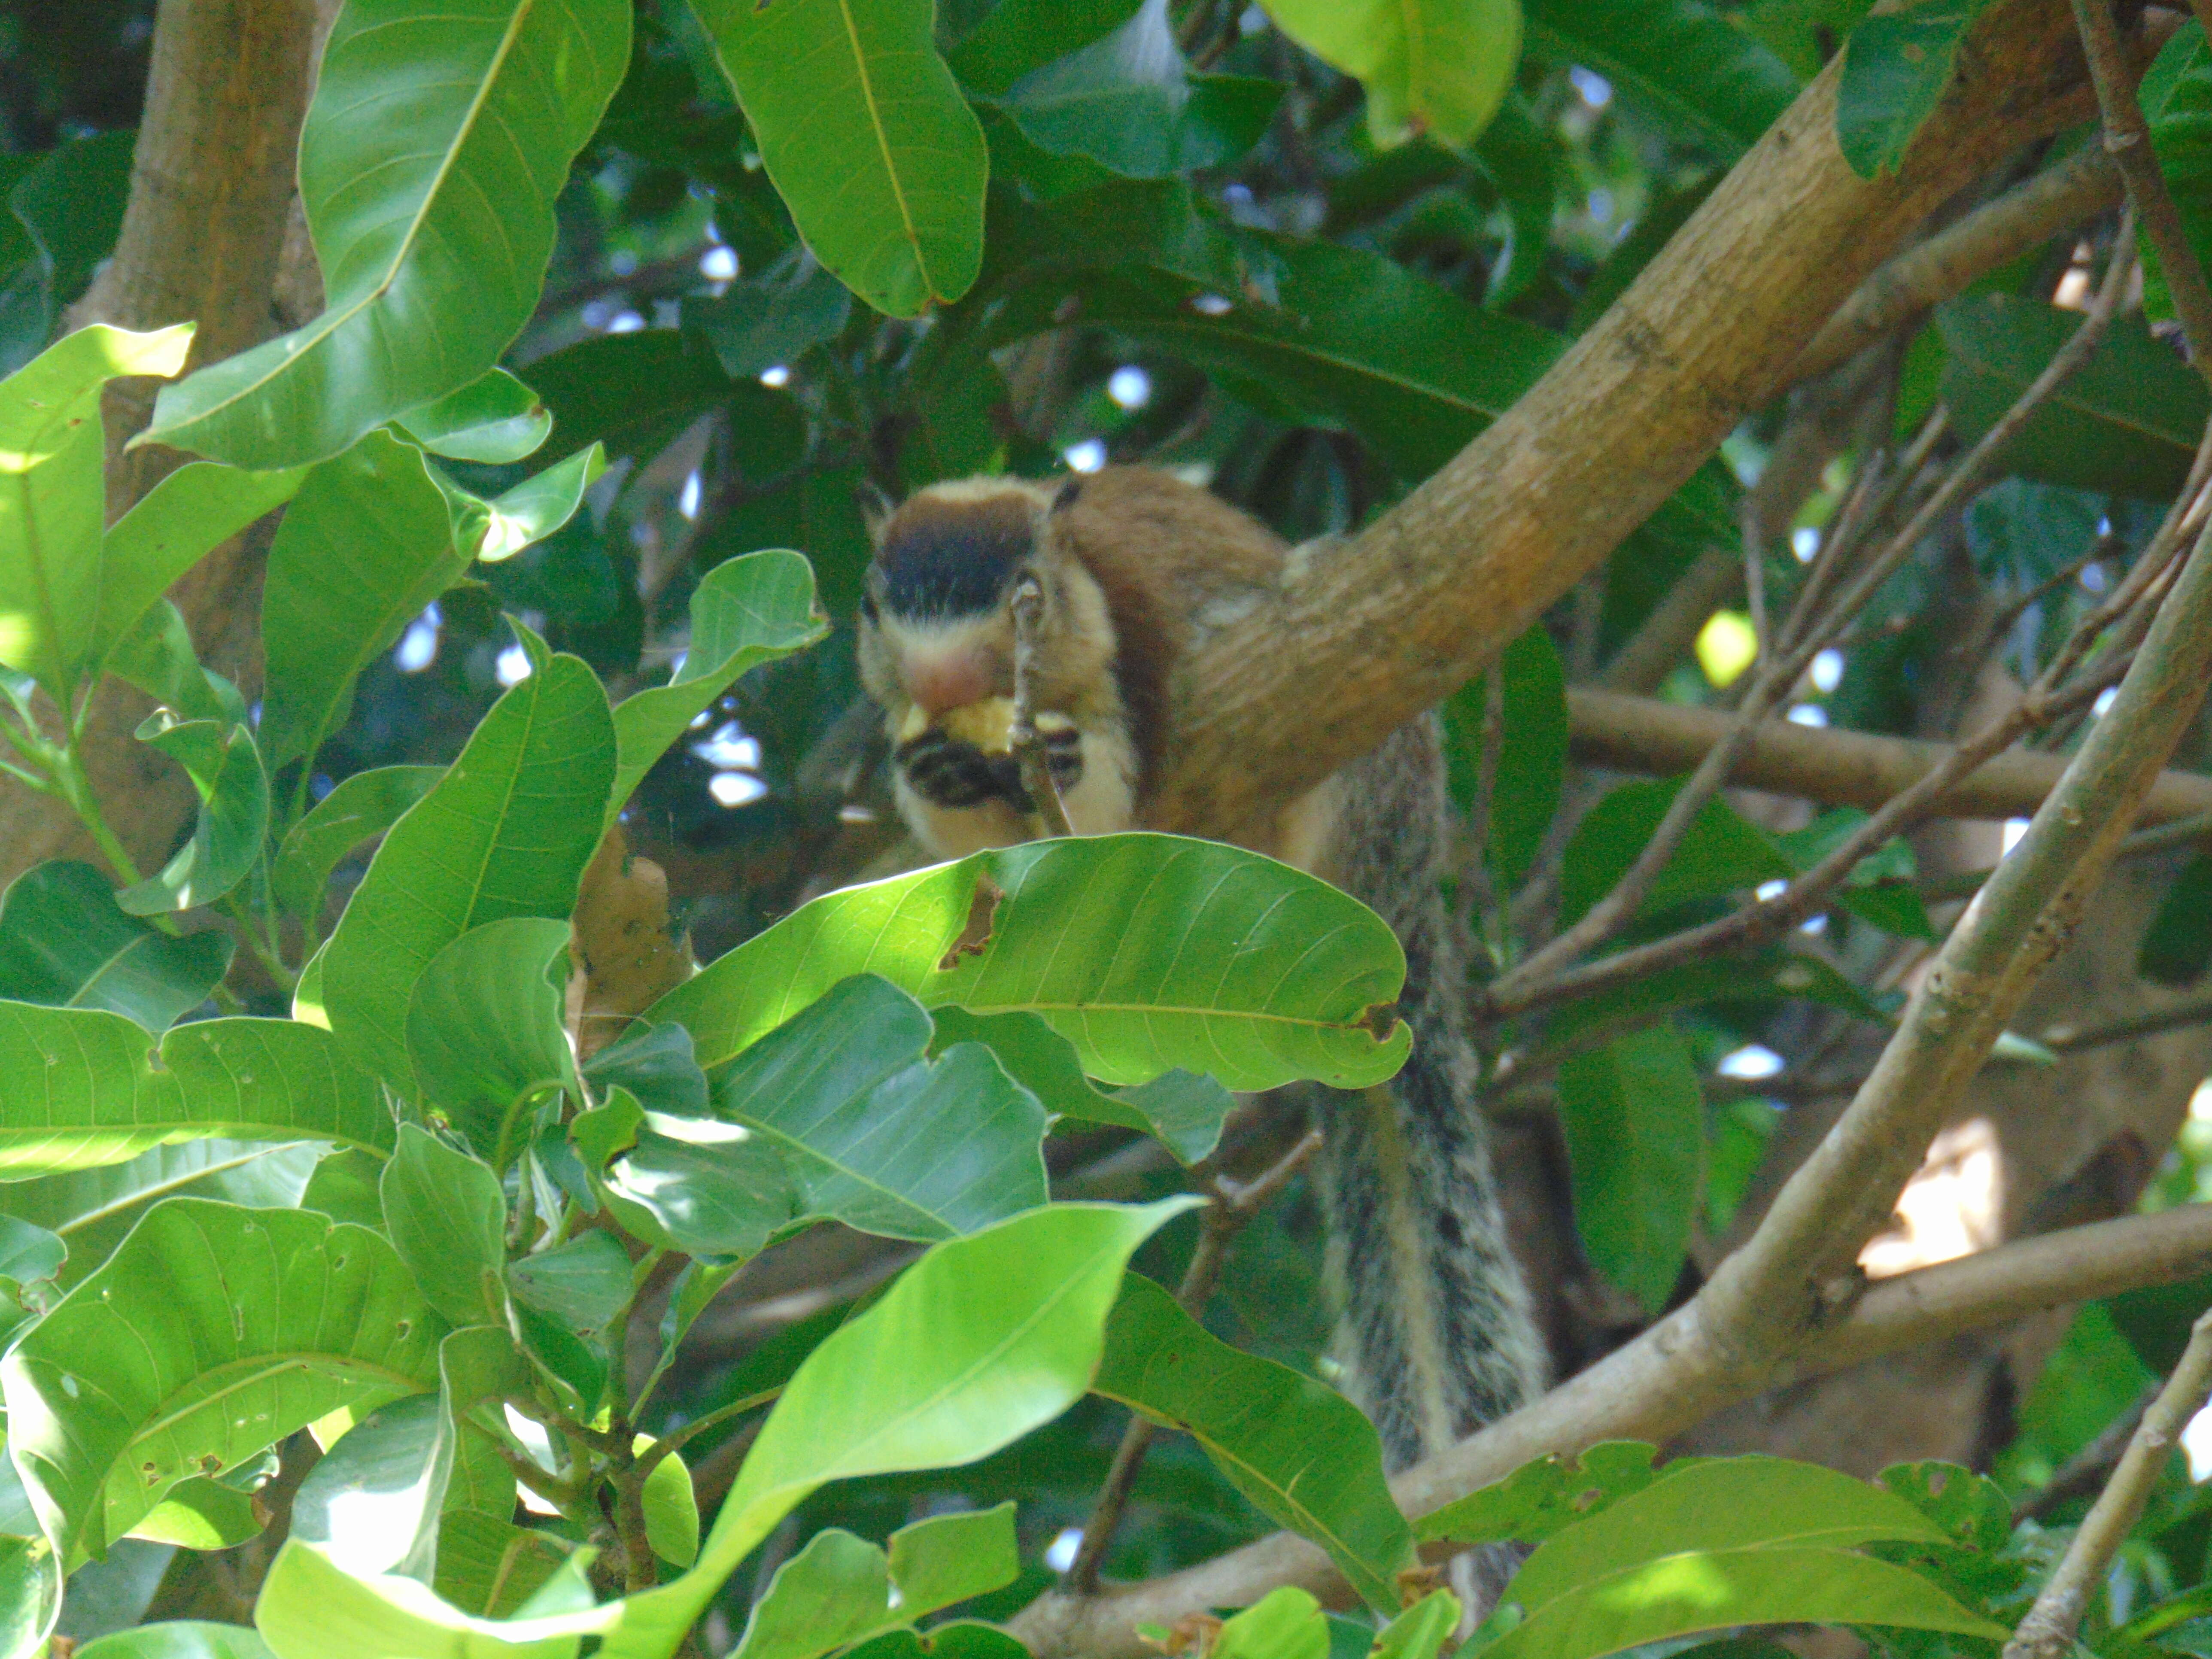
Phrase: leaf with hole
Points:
(64, 943)
(1089, 934)
(212, 1334)
(429, 164)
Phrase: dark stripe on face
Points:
(944, 559)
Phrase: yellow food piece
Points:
(989, 725)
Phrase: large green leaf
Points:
(484, 1028)
(984, 1339)
(1545, 1497)
(747, 612)
(492, 420)
(757, 323)
(1682, 58)
(1714, 1589)
(212, 1334)
(1721, 1504)
(2128, 422)
(53, 498)
(429, 161)
(2177, 102)
(1897, 67)
(1130, 103)
(865, 132)
(875, 1135)
(633, 391)
(1303, 1453)
(446, 1216)
(179, 1639)
(365, 805)
(507, 832)
(228, 835)
(841, 1589)
(93, 1210)
(1633, 1115)
(1440, 66)
(65, 944)
(1532, 760)
(1018, 36)
(66, 212)
(311, 1608)
(1145, 951)
(81, 1087)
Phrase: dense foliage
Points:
(375, 1168)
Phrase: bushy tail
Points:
(1435, 1333)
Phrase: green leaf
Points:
(489, 1567)
(1422, 1630)
(984, 1339)
(841, 1589)
(1018, 36)
(311, 1609)
(65, 944)
(1090, 934)
(1440, 66)
(484, 1028)
(584, 1283)
(1182, 1110)
(1286, 1623)
(2176, 96)
(1721, 853)
(429, 164)
(746, 612)
(51, 506)
(2127, 423)
(864, 133)
(1303, 1453)
(179, 1639)
(1714, 1589)
(713, 1190)
(1545, 1497)
(502, 527)
(1684, 59)
(2178, 945)
(200, 1514)
(228, 836)
(879, 1137)
(507, 832)
(365, 805)
(368, 543)
(655, 1064)
(1766, 976)
(672, 1507)
(94, 1210)
(212, 1334)
(1532, 762)
(345, 1187)
(28, 1253)
(1634, 1116)
(82, 1086)
(1897, 67)
(193, 510)
(770, 320)
(1129, 102)
(494, 419)
(157, 657)
(1721, 1504)
(446, 1216)
(633, 391)
(31, 1582)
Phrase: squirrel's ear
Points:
(876, 508)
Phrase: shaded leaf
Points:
(446, 1216)
(225, 768)
(759, 324)
(1542, 1498)
(488, 1566)
(492, 419)
(2177, 946)
(1532, 760)
(179, 1639)
(485, 1031)
(1634, 1116)
(363, 805)
(64, 943)
(863, 129)
(431, 155)
(1897, 67)
(1684, 59)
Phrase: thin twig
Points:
(1234, 1206)
(2088, 1469)
(2195, 1011)
(2127, 140)
(1028, 748)
(2047, 1632)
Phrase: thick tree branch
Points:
(1418, 604)
(1655, 1389)
(211, 179)
(1834, 766)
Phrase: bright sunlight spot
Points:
(2196, 1441)
(1060, 1554)
(418, 647)
(2014, 829)
(1950, 1209)
(735, 788)
(719, 265)
(687, 503)
(1828, 670)
(1086, 456)
(512, 666)
(1726, 647)
(1750, 1060)
(1129, 387)
(625, 322)
(1809, 714)
(729, 749)
(1593, 89)
(2104, 700)
(779, 375)
(1804, 543)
